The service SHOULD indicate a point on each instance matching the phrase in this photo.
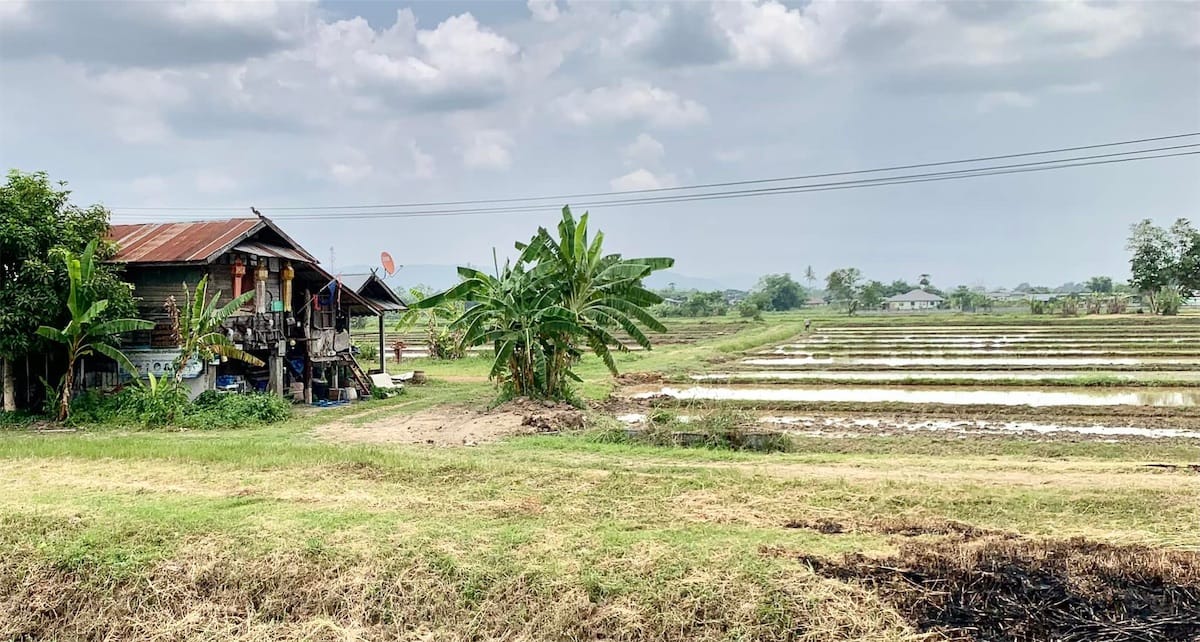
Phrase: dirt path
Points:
(455, 425)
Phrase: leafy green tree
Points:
(1164, 259)
(197, 327)
(561, 294)
(778, 292)
(38, 225)
(871, 296)
(700, 304)
(86, 333)
(810, 276)
(968, 300)
(1100, 284)
(841, 286)
(1187, 249)
(899, 286)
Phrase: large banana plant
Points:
(562, 293)
(603, 291)
(198, 327)
(86, 333)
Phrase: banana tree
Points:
(603, 292)
(561, 293)
(87, 333)
(198, 327)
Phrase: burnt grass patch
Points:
(1023, 591)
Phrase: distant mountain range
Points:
(440, 277)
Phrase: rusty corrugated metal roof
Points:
(181, 242)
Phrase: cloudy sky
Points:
(297, 104)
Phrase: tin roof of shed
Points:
(189, 241)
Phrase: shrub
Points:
(213, 410)
(723, 430)
(93, 407)
(368, 352)
(155, 403)
(748, 309)
(165, 405)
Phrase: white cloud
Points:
(1078, 88)
(998, 99)
(543, 10)
(148, 186)
(762, 34)
(730, 155)
(153, 34)
(457, 64)
(424, 166)
(630, 101)
(488, 149)
(644, 150)
(349, 173)
(135, 100)
(643, 179)
(211, 181)
(14, 12)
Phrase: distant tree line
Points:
(1165, 265)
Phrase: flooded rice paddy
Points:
(925, 395)
(849, 427)
(1007, 379)
(770, 376)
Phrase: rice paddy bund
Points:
(1117, 376)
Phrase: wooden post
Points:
(308, 347)
(382, 351)
(275, 368)
(308, 391)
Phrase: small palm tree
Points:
(85, 333)
(197, 327)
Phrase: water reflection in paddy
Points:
(1002, 397)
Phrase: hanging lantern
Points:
(287, 274)
(260, 286)
(239, 271)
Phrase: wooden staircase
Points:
(362, 382)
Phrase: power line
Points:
(570, 197)
(1017, 168)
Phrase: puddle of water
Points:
(994, 340)
(785, 375)
(984, 426)
(992, 352)
(848, 427)
(1108, 397)
(966, 362)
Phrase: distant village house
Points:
(913, 300)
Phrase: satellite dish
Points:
(389, 265)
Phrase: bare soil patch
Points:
(459, 425)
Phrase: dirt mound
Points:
(545, 416)
(639, 378)
(459, 426)
(1020, 591)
